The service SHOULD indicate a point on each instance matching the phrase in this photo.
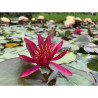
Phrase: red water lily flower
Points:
(36, 24)
(42, 55)
(78, 31)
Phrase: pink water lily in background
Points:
(88, 20)
(43, 55)
(36, 24)
(78, 31)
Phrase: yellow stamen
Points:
(36, 52)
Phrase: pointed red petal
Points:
(54, 46)
(33, 45)
(27, 59)
(51, 45)
(40, 41)
(29, 71)
(53, 52)
(59, 46)
(60, 55)
(48, 41)
(61, 69)
(31, 51)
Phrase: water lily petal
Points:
(60, 55)
(59, 46)
(54, 46)
(61, 69)
(31, 51)
(37, 60)
(27, 59)
(51, 45)
(40, 41)
(53, 52)
(33, 45)
(48, 41)
(45, 60)
(29, 71)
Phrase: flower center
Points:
(44, 51)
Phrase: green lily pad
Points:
(60, 25)
(74, 47)
(1, 46)
(57, 40)
(10, 71)
(61, 32)
(1, 60)
(78, 78)
(85, 74)
(74, 80)
(8, 56)
(83, 39)
(69, 57)
(2, 37)
(3, 41)
(80, 63)
(93, 63)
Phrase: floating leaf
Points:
(69, 57)
(11, 69)
(74, 47)
(1, 46)
(92, 48)
(93, 63)
(11, 45)
(57, 40)
(78, 78)
(1, 60)
(8, 55)
(52, 32)
(83, 39)
(52, 76)
(3, 41)
(75, 80)
(61, 32)
(80, 64)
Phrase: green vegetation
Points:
(58, 16)
(53, 15)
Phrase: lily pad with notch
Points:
(11, 69)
